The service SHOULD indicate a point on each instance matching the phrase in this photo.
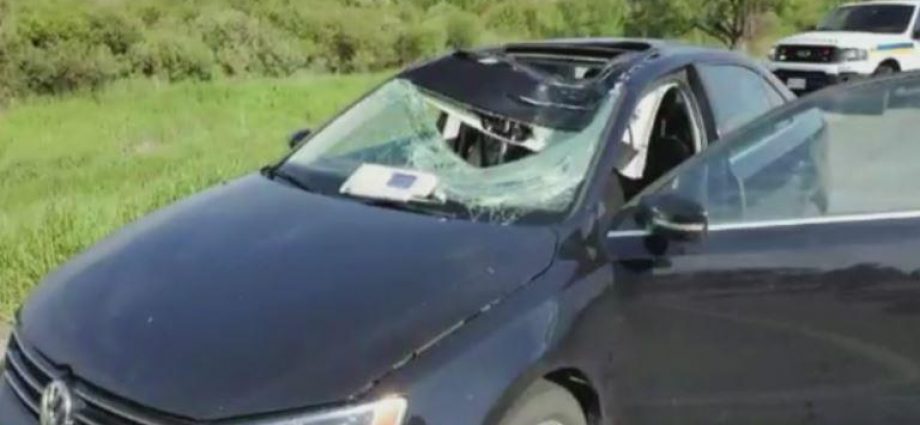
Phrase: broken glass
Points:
(401, 126)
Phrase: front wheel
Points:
(545, 403)
(884, 69)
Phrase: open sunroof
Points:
(589, 51)
(572, 62)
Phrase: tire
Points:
(545, 403)
(884, 69)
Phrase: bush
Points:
(584, 18)
(463, 29)
(344, 45)
(527, 19)
(66, 66)
(420, 41)
(43, 25)
(173, 57)
(52, 46)
(245, 45)
(9, 76)
(115, 29)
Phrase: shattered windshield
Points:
(497, 169)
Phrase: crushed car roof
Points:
(554, 83)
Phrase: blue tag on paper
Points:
(401, 181)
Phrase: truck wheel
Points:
(545, 403)
(885, 69)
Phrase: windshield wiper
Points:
(275, 173)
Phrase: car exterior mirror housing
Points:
(299, 136)
(673, 217)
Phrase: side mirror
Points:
(298, 137)
(673, 217)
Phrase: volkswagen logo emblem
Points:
(57, 405)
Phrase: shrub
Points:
(66, 66)
(583, 18)
(463, 29)
(527, 19)
(173, 57)
(419, 41)
(115, 29)
(42, 25)
(346, 46)
(244, 45)
(84, 43)
(9, 76)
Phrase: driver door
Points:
(774, 280)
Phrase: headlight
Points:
(772, 54)
(389, 411)
(854, 55)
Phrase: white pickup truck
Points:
(853, 41)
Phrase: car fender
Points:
(489, 362)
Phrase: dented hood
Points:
(255, 297)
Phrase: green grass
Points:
(74, 169)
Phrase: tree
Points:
(589, 18)
(658, 18)
(733, 21)
(803, 14)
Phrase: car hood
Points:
(864, 40)
(256, 297)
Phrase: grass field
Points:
(74, 169)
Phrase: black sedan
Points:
(499, 236)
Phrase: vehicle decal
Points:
(895, 47)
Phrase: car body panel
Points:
(248, 293)
(811, 323)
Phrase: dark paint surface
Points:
(255, 297)
(811, 324)
(269, 297)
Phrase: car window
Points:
(844, 154)
(639, 132)
(663, 133)
(738, 95)
(773, 95)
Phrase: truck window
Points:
(877, 18)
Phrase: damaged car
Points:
(435, 254)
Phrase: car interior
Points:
(664, 134)
(495, 142)
(487, 141)
(672, 140)
(667, 131)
